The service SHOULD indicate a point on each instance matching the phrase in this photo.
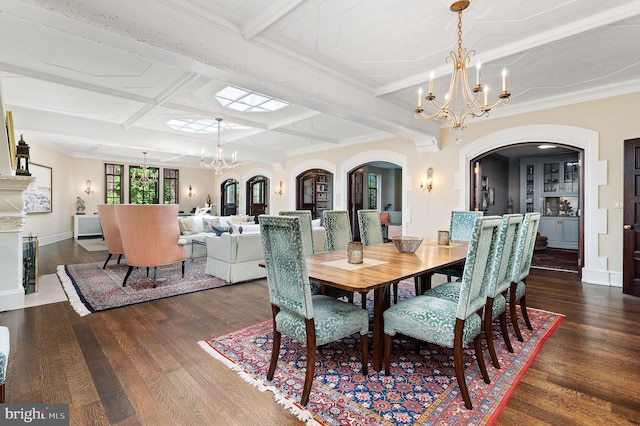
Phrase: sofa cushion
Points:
(237, 219)
(220, 229)
(316, 223)
(245, 228)
(188, 225)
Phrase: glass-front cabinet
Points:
(551, 186)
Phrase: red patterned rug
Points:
(91, 288)
(421, 389)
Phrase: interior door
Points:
(631, 227)
(257, 196)
(229, 191)
(306, 193)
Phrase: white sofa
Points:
(236, 257)
(197, 227)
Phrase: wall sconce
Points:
(191, 193)
(429, 183)
(87, 188)
(279, 190)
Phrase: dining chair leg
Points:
(155, 272)
(388, 347)
(363, 300)
(364, 344)
(275, 348)
(505, 331)
(395, 293)
(512, 311)
(311, 361)
(183, 269)
(488, 332)
(523, 308)
(119, 258)
(417, 284)
(459, 364)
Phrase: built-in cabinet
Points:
(551, 186)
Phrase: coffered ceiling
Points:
(100, 79)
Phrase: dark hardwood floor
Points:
(141, 364)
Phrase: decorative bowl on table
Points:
(406, 244)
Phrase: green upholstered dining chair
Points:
(520, 270)
(498, 283)
(370, 227)
(313, 320)
(338, 227)
(447, 323)
(371, 234)
(460, 228)
(305, 228)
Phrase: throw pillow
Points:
(183, 228)
(237, 219)
(191, 226)
(220, 229)
(209, 223)
(384, 217)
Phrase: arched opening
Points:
(314, 191)
(375, 186)
(229, 195)
(257, 196)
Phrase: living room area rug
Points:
(422, 388)
(91, 288)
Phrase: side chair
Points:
(110, 231)
(313, 320)
(338, 228)
(460, 229)
(498, 283)
(520, 270)
(150, 236)
(447, 323)
(371, 234)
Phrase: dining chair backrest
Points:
(305, 228)
(370, 227)
(338, 227)
(477, 268)
(525, 246)
(461, 225)
(504, 255)
(285, 264)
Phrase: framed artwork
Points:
(38, 196)
(492, 196)
(12, 140)
(484, 183)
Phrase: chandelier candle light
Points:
(218, 163)
(460, 93)
(144, 179)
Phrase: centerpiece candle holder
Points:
(355, 252)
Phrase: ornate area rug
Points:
(91, 288)
(422, 388)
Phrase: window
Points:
(143, 187)
(113, 174)
(373, 182)
(171, 184)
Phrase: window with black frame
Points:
(171, 184)
(113, 174)
(143, 185)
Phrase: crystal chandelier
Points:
(218, 163)
(146, 177)
(461, 96)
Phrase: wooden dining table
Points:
(382, 266)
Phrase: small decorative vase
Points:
(354, 252)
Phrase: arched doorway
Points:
(314, 191)
(257, 196)
(375, 185)
(230, 193)
(535, 177)
(594, 268)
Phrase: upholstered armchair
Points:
(520, 271)
(498, 283)
(460, 228)
(312, 320)
(447, 323)
(110, 231)
(150, 236)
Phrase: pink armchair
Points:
(110, 231)
(150, 235)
